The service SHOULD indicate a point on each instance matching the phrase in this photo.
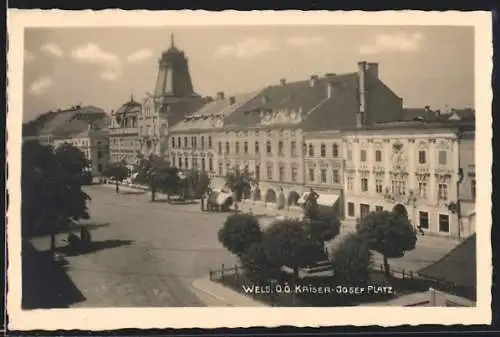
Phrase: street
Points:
(148, 254)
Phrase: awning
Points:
(324, 199)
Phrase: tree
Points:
(51, 190)
(117, 171)
(257, 266)
(287, 243)
(240, 183)
(391, 234)
(239, 232)
(352, 261)
(153, 170)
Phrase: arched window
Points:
(227, 147)
(209, 142)
(257, 148)
(311, 150)
(220, 147)
(202, 141)
(281, 148)
(185, 142)
(268, 147)
(173, 142)
(323, 150)
(335, 150)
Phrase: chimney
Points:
(220, 95)
(372, 69)
(361, 114)
(283, 81)
(232, 100)
(314, 80)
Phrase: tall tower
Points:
(173, 78)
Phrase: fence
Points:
(215, 274)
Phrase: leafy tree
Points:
(167, 180)
(51, 184)
(391, 234)
(117, 171)
(240, 183)
(352, 261)
(239, 232)
(287, 243)
(153, 170)
(257, 265)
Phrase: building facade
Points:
(467, 187)
(124, 132)
(172, 99)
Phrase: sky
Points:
(104, 66)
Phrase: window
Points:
(421, 157)
(350, 209)
(268, 147)
(311, 174)
(423, 220)
(221, 173)
(99, 168)
(180, 162)
(443, 192)
(323, 175)
(202, 140)
(179, 142)
(99, 154)
(203, 164)
(173, 143)
(349, 154)
(194, 163)
(186, 163)
(281, 151)
(282, 173)
(378, 156)
(257, 172)
(323, 150)
(364, 209)
(398, 187)
(335, 150)
(335, 176)
(363, 155)
(209, 142)
(269, 171)
(245, 147)
(350, 183)
(379, 208)
(257, 148)
(364, 184)
(220, 147)
(311, 150)
(378, 186)
(173, 160)
(227, 147)
(295, 172)
(293, 148)
(210, 164)
(442, 157)
(422, 189)
(444, 223)
(237, 147)
(473, 188)
(185, 142)
(193, 141)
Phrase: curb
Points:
(211, 294)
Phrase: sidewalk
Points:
(223, 296)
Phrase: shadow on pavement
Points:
(45, 283)
(95, 246)
(70, 228)
(132, 192)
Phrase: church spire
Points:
(172, 42)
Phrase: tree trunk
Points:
(387, 269)
(117, 187)
(202, 202)
(153, 194)
(52, 243)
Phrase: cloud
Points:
(52, 49)
(306, 41)
(393, 43)
(91, 53)
(139, 55)
(246, 48)
(40, 85)
(28, 56)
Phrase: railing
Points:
(215, 274)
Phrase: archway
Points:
(400, 209)
(256, 194)
(293, 198)
(270, 195)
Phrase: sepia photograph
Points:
(285, 164)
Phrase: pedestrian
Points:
(85, 237)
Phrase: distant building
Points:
(124, 132)
(90, 138)
(47, 124)
(173, 98)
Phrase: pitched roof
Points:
(64, 117)
(428, 114)
(131, 106)
(457, 267)
(80, 127)
(207, 116)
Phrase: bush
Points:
(352, 261)
(257, 266)
(239, 232)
